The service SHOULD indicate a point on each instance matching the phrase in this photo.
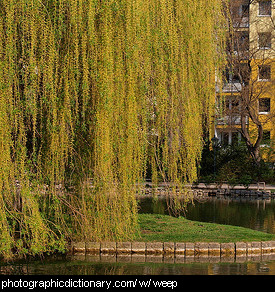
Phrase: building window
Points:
(235, 138)
(265, 8)
(266, 138)
(264, 40)
(240, 13)
(245, 71)
(229, 138)
(241, 41)
(264, 105)
(244, 10)
(264, 73)
(225, 139)
(231, 105)
(235, 106)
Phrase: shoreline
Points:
(255, 191)
(185, 250)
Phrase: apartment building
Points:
(246, 96)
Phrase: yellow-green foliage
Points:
(97, 95)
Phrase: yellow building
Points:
(247, 95)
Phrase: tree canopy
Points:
(95, 96)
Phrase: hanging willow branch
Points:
(97, 96)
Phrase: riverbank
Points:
(156, 227)
(259, 190)
(166, 235)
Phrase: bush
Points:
(234, 165)
(245, 180)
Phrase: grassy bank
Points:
(155, 227)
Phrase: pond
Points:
(256, 214)
(85, 265)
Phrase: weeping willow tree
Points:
(94, 97)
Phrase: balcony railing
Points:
(230, 120)
(241, 22)
(230, 87)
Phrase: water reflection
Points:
(81, 266)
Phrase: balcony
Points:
(233, 87)
(241, 22)
(230, 120)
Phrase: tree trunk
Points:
(254, 149)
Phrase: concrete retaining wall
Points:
(265, 194)
(260, 190)
(172, 249)
(234, 193)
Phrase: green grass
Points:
(155, 227)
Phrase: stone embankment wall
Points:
(234, 193)
(259, 190)
(183, 250)
(207, 192)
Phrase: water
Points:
(246, 212)
(86, 265)
(255, 214)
